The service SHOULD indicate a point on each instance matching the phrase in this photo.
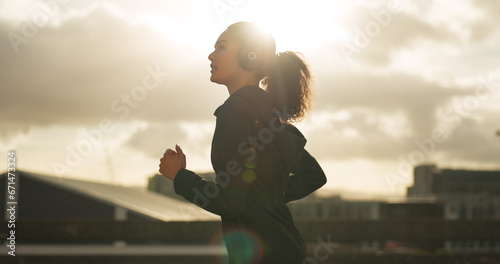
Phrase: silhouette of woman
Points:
(257, 154)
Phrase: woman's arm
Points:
(308, 177)
(227, 196)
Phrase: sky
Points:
(98, 90)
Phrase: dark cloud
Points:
(487, 25)
(369, 142)
(83, 71)
(416, 98)
(469, 140)
(375, 33)
(418, 107)
(474, 140)
(87, 68)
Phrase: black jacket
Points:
(261, 164)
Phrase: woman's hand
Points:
(172, 162)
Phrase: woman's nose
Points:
(211, 56)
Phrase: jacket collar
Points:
(251, 93)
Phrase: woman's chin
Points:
(215, 80)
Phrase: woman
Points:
(258, 156)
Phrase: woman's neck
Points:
(241, 82)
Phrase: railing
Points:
(344, 238)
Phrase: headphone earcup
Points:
(248, 59)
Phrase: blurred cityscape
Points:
(437, 193)
(66, 218)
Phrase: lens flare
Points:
(245, 245)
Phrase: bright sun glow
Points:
(299, 25)
(296, 25)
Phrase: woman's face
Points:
(224, 60)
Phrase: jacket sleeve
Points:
(307, 178)
(226, 197)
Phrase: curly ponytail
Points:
(289, 82)
(285, 75)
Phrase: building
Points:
(334, 207)
(45, 198)
(429, 180)
(310, 207)
(411, 210)
(465, 194)
(48, 197)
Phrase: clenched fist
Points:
(172, 162)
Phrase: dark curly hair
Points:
(289, 81)
(285, 75)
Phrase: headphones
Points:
(248, 59)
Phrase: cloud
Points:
(91, 66)
(362, 135)
(474, 140)
(486, 26)
(381, 118)
(84, 70)
(416, 98)
(156, 137)
(194, 138)
(377, 32)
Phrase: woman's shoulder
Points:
(294, 130)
